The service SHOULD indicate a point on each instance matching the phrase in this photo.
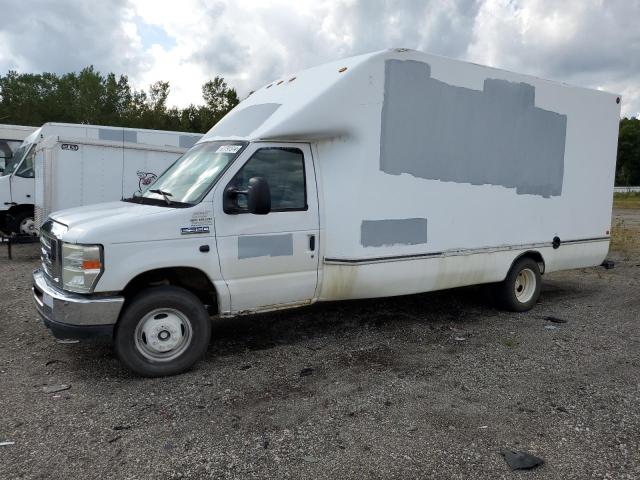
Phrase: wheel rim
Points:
(28, 226)
(163, 334)
(525, 285)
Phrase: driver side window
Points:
(26, 167)
(283, 168)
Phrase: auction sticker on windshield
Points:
(228, 148)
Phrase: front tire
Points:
(23, 223)
(520, 290)
(163, 331)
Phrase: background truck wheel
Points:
(22, 222)
(163, 331)
(521, 289)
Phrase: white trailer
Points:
(390, 173)
(68, 165)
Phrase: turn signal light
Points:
(91, 265)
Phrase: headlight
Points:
(81, 267)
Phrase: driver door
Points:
(269, 261)
(23, 182)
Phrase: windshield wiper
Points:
(164, 194)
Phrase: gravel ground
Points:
(424, 386)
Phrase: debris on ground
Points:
(551, 327)
(6, 444)
(310, 459)
(555, 319)
(55, 388)
(459, 339)
(608, 264)
(305, 372)
(67, 340)
(518, 460)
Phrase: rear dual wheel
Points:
(520, 290)
(163, 331)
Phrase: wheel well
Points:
(189, 278)
(25, 207)
(534, 255)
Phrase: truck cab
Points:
(17, 186)
(234, 228)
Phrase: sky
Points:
(591, 43)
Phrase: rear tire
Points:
(163, 331)
(22, 222)
(520, 290)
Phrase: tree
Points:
(90, 97)
(218, 98)
(628, 166)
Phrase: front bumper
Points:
(70, 315)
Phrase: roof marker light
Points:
(343, 69)
(270, 85)
(279, 82)
(292, 79)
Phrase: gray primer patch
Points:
(405, 231)
(187, 141)
(250, 246)
(496, 136)
(118, 135)
(245, 121)
(130, 136)
(111, 135)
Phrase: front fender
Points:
(125, 261)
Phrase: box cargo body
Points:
(390, 173)
(97, 164)
(100, 167)
(437, 173)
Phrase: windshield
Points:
(15, 160)
(192, 175)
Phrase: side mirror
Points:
(259, 196)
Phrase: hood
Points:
(83, 217)
(124, 222)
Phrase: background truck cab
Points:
(11, 153)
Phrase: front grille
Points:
(50, 253)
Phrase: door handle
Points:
(312, 243)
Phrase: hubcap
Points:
(163, 334)
(525, 285)
(28, 226)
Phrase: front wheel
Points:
(163, 331)
(520, 290)
(23, 223)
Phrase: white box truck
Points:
(384, 174)
(69, 165)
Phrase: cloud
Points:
(592, 43)
(59, 37)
